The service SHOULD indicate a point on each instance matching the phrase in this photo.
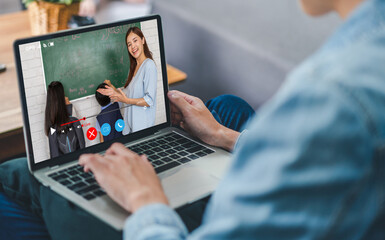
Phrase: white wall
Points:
(31, 60)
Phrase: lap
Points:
(18, 222)
(46, 210)
(231, 111)
(43, 210)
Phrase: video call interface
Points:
(79, 90)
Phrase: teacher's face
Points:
(135, 45)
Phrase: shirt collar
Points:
(102, 108)
(366, 20)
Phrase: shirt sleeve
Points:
(240, 139)
(298, 173)
(156, 221)
(150, 83)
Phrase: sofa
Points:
(245, 48)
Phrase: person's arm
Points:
(150, 83)
(141, 102)
(300, 173)
(119, 96)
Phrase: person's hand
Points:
(193, 116)
(87, 8)
(108, 82)
(108, 91)
(129, 179)
(67, 101)
(118, 96)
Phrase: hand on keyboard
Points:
(129, 179)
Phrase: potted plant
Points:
(50, 15)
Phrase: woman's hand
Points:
(119, 96)
(108, 82)
(129, 179)
(67, 101)
(193, 116)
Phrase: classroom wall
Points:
(36, 94)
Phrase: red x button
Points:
(91, 133)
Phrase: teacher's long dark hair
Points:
(146, 50)
(55, 110)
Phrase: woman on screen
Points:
(138, 96)
(64, 137)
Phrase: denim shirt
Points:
(311, 165)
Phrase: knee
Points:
(229, 101)
(13, 168)
(15, 177)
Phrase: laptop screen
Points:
(91, 87)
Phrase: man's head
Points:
(321, 7)
(103, 100)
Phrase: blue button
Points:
(119, 125)
(105, 129)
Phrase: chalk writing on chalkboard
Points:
(83, 61)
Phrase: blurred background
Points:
(245, 48)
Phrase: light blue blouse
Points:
(143, 85)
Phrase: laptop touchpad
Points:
(188, 184)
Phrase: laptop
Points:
(80, 60)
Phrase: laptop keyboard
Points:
(75, 179)
(164, 152)
(170, 150)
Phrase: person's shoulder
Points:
(149, 63)
(115, 105)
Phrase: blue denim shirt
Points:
(312, 164)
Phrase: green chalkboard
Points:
(81, 62)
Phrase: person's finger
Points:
(179, 102)
(120, 149)
(174, 109)
(120, 91)
(189, 98)
(92, 162)
(102, 91)
(176, 118)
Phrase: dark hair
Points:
(133, 63)
(103, 100)
(56, 109)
